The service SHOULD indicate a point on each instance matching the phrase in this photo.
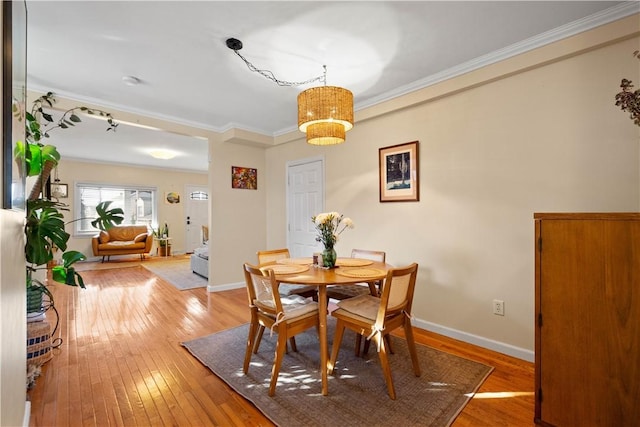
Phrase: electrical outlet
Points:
(498, 307)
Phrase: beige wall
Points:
(13, 311)
(164, 180)
(238, 217)
(545, 138)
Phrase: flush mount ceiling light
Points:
(131, 80)
(325, 113)
(162, 154)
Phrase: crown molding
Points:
(585, 24)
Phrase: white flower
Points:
(321, 218)
(328, 227)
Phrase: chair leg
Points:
(275, 371)
(384, 363)
(372, 289)
(258, 339)
(292, 342)
(337, 340)
(358, 343)
(387, 338)
(253, 329)
(408, 332)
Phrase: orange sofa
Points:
(122, 240)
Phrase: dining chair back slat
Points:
(340, 292)
(272, 256)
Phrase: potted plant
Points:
(629, 100)
(161, 234)
(45, 233)
(45, 226)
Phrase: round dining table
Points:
(348, 271)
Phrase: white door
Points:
(305, 198)
(197, 215)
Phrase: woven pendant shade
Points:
(325, 113)
(325, 133)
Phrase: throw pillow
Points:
(104, 237)
(140, 238)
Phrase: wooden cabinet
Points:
(587, 302)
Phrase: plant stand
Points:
(38, 348)
(164, 251)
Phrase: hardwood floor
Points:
(121, 362)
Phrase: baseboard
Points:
(500, 347)
(227, 287)
(146, 256)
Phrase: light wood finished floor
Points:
(121, 362)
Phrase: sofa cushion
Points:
(126, 232)
(121, 245)
(140, 237)
(104, 237)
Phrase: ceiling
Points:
(379, 50)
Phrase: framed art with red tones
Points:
(245, 178)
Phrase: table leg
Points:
(324, 350)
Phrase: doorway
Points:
(197, 215)
(305, 198)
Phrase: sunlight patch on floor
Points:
(500, 394)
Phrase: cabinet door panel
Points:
(590, 336)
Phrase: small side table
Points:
(167, 244)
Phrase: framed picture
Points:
(246, 178)
(59, 191)
(399, 176)
(172, 198)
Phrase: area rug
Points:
(357, 391)
(177, 272)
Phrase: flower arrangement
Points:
(329, 226)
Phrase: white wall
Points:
(547, 137)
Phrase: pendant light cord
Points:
(236, 45)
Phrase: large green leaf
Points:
(36, 156)
(107, 218)
(68, 276)
(65, 273)
(44, 231)
(34, 160)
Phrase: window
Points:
(138, 203)
(199, 195)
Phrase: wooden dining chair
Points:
(288, 316)
(340, 292)
(377, 317)
(273, 256)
